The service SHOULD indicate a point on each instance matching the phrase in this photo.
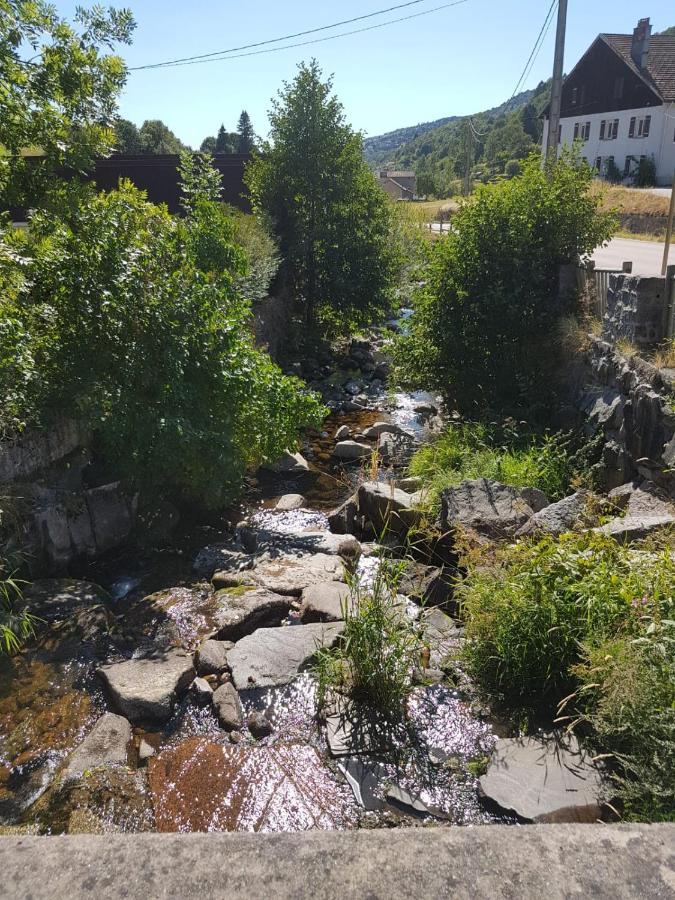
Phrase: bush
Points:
(586, 617)
(374, 662)
(612, 171)
(547, 462)
(513, 167)
(135, 325)
(645, 175)
(16, 623)
(483, 326)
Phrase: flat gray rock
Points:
(290, 502)
(374, 431)
(384, 506)
(105, 745)
(291, 573)
(364, 776)
(556, 518)
(147, 688)
(544, 780)
(239, 611)
(635, 528)
(352, 450)
(274, 656)
(211, 656)
(55, 599)
(288, 464)
(227, 706)
(324, 602)
(489, 507)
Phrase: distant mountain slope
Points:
(436, 150)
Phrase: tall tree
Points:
(224, 141)
(58, 93)
(156, 138)
(208, 145)
(331, 217)
(127, 137)
(246, 135)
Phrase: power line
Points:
(535, 50)
(217, 56)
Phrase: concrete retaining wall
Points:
(499, 861)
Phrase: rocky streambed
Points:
(169, 688)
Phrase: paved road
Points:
(646, 256)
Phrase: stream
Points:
(188, 774)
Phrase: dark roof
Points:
(659, 73)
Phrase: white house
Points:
(619, 103)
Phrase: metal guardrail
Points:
(595, 284)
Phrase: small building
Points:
(399, 185)
(618, 102)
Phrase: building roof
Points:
(387, 174)
(659, 73)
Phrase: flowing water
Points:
(198, 779)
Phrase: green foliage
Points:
(127, 137)
(330, 216)
(16, 623)
(483, 326)
(374, 661)
(58, 95)
(157, 138)
(208, 145)
(548, 462)
(133, 321)
(586, 617)
(226, 142)
(645, 175)
(512, 168)
(252, 234)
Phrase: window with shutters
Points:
(639, 126)
(598, 163)
(615, 130)
(603, 125)
(631, 127)
(586, 131)
(626, 166)
(576, 131)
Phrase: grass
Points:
(585, 626)
(548, 462)
(627, 201)
(374, 662)
(664, 356)
(16, 623)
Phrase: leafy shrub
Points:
(379, 649)
(612, 172)
(645, 176)
(586, 617)
(547, 462)
(136, 326)
(513, 167)
(254, 237)
(483, 325)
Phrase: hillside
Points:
(437, 150)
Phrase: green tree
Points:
(332, 220)
(58, 93)
(157, 138)
(247, 138)
(208, 145)
(135, 324)
(483, 327)
(127, 137)
(225, 142)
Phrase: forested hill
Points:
(437, 150)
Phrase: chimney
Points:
(640, 45)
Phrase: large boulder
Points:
(211, 656)
(56, 599)
(352, 450)
(274, 656)
(147, 688)
(385, 506)
(577, 509)
(239, 611)
(290, 502)
(288, 464)
(635, 528)
(374, 431)
(291, 573)
(343, 519)
(105, 745)
(324, 602)
(492, 509)
(544, 780)
(227, 706)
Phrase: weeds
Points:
(375, 660)
(586, 626)
(16, 623)
(549, 462)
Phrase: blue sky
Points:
(452, 62)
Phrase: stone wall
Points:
(51, 513)
(636, 309)
(633, 403)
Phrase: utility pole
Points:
(556, 87)
(669, 229)
(469, 158)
